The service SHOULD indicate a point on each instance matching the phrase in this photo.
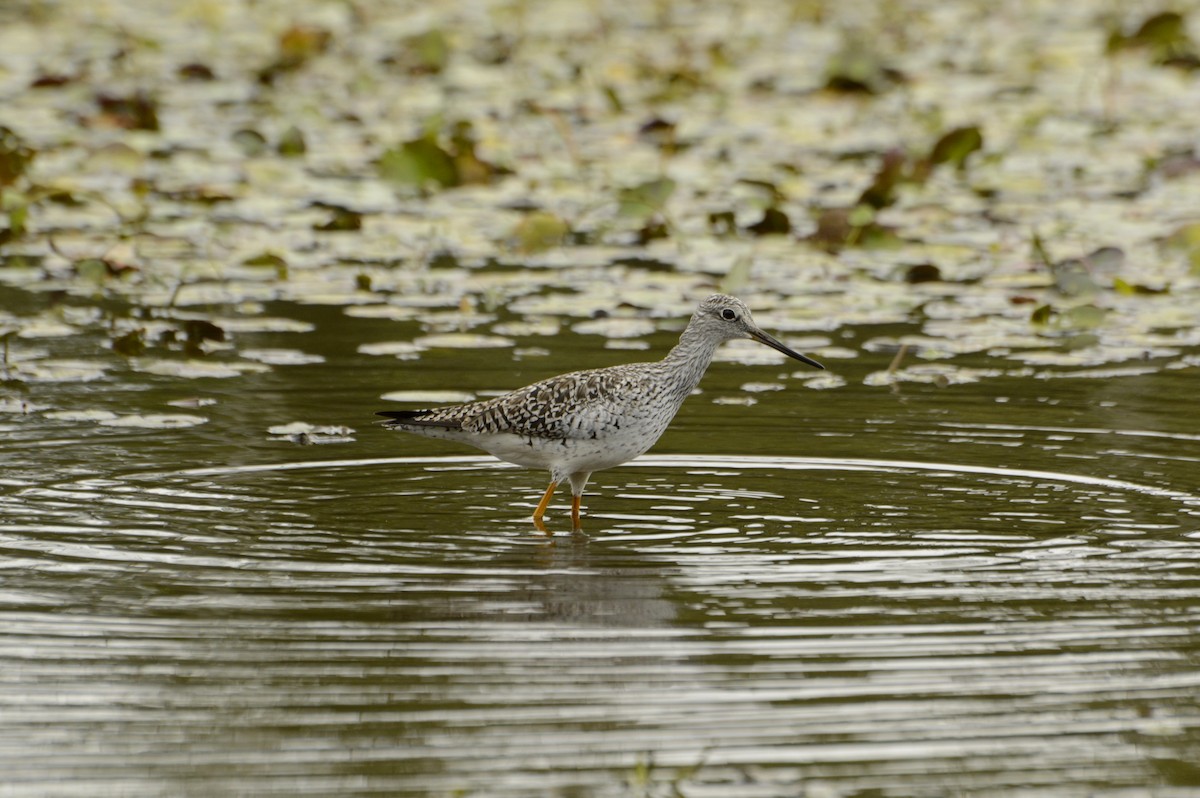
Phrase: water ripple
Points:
(729, 625)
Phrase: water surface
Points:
(982, 589)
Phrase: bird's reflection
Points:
(585, 579)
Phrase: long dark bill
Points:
(763, 338)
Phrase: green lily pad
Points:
(420, 164)
(540, 231)
(646, 199)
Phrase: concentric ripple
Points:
(730, 625)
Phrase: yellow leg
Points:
(544, 503)
(575, 500)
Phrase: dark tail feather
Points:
(402, 415)
(418, 418)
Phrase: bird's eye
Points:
(728, 314)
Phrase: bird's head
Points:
(727, 317)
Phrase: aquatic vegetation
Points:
(963, 560)
(887, 168)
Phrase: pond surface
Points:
(977, 589)
(964, 561)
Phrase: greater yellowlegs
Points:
(584, 421)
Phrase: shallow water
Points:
(973, 575)
(982, 589)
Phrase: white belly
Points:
(567, 456)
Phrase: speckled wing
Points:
(579, 405)
(583, 405)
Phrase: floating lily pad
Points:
(421, 163)
(956, 145)
(463, 341)
(392, 312)
(761, 387)
(50, 371)
(292, 143)
(1186, 239)
(931, 374)
(824, 381)
(19, 353)
(401, 349)
(197, 369)
(1089, 356)
(155, 421)
(540, 231)
(1098, 374)
(193, 402)
(306, 434)
(645, 199)
(15, 156)
(528, 327)
(743, 401)
(281, 357)
(259, 324)
(81, 415)
(429, 397)
(44, 327)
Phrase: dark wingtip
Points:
(398, 415)
(398, 419)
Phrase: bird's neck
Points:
(688, 361)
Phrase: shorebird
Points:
(578, 423)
